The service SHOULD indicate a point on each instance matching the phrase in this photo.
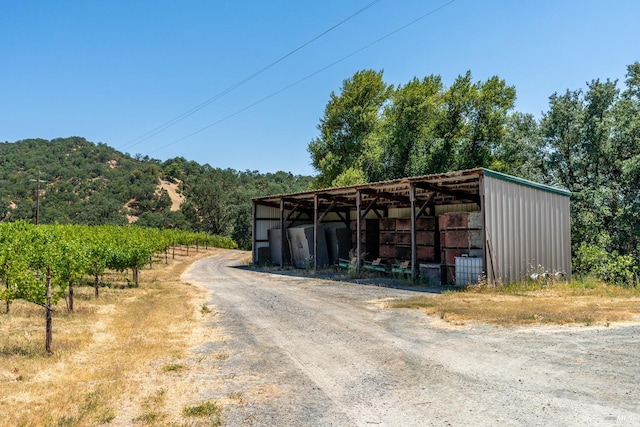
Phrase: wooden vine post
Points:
(136, 272)
(6, 283)
(95, 272)
(48, 310)
(71, 297)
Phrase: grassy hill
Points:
(87, 183)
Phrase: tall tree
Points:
(625, 153)
(490, 103)
(592, 142)
(349, 118)
(372, 131)
(562, 130)
(208, 206)
(410, 120)
(521, 149)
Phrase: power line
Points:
(231, 88)
(355, 52)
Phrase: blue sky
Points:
(113, 71)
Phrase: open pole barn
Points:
(448, 228)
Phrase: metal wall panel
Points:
(265, 219)
(526, 229)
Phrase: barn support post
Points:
(347, 221)
(254, 209)
(358, 224)
(485, 243)
(414, 255)
(282, 234)
(315, 232)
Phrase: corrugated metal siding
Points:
(265, 219)
(525, 228)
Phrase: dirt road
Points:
(310, 352)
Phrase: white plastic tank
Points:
(468, 270)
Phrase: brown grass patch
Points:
(107, 365)
(585, 303)
(172, 189)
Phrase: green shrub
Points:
(621, 270)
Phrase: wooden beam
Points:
(294, 201)
(340, 199)
(331, 206)
(282, 234)
(358, 228)
(297, 218)
(269, 204)
(344, 218)
(395, 197)
(444, 190)
(254, 211)
(428, 203)
(414, 246)
(295, 208)
(387, 195)
(371, 206)
(315, 232)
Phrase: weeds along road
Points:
(308, 352)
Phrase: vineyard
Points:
(42, 264)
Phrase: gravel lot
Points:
(299, 351)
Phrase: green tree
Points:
(490, 103)
(416, 129)
(208, 204)
(521, 150)
(624, 162)
(562, 130)
(410, 123)
(592, 142)
(348, 119)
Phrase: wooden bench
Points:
(348, 264)
(404, 268)
(376, 265)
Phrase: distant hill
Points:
(87, 183)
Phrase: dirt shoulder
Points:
(301, 351)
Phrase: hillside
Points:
(87, 183)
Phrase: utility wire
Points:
(306, 78)
(231, 88)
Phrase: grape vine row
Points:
(41, 264)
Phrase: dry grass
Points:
(110, 356)
(581, 302)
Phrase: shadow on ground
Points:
(341, 275)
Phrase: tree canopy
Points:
(372, 131)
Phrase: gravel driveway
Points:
(299, 351)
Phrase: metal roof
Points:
(436, 189)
